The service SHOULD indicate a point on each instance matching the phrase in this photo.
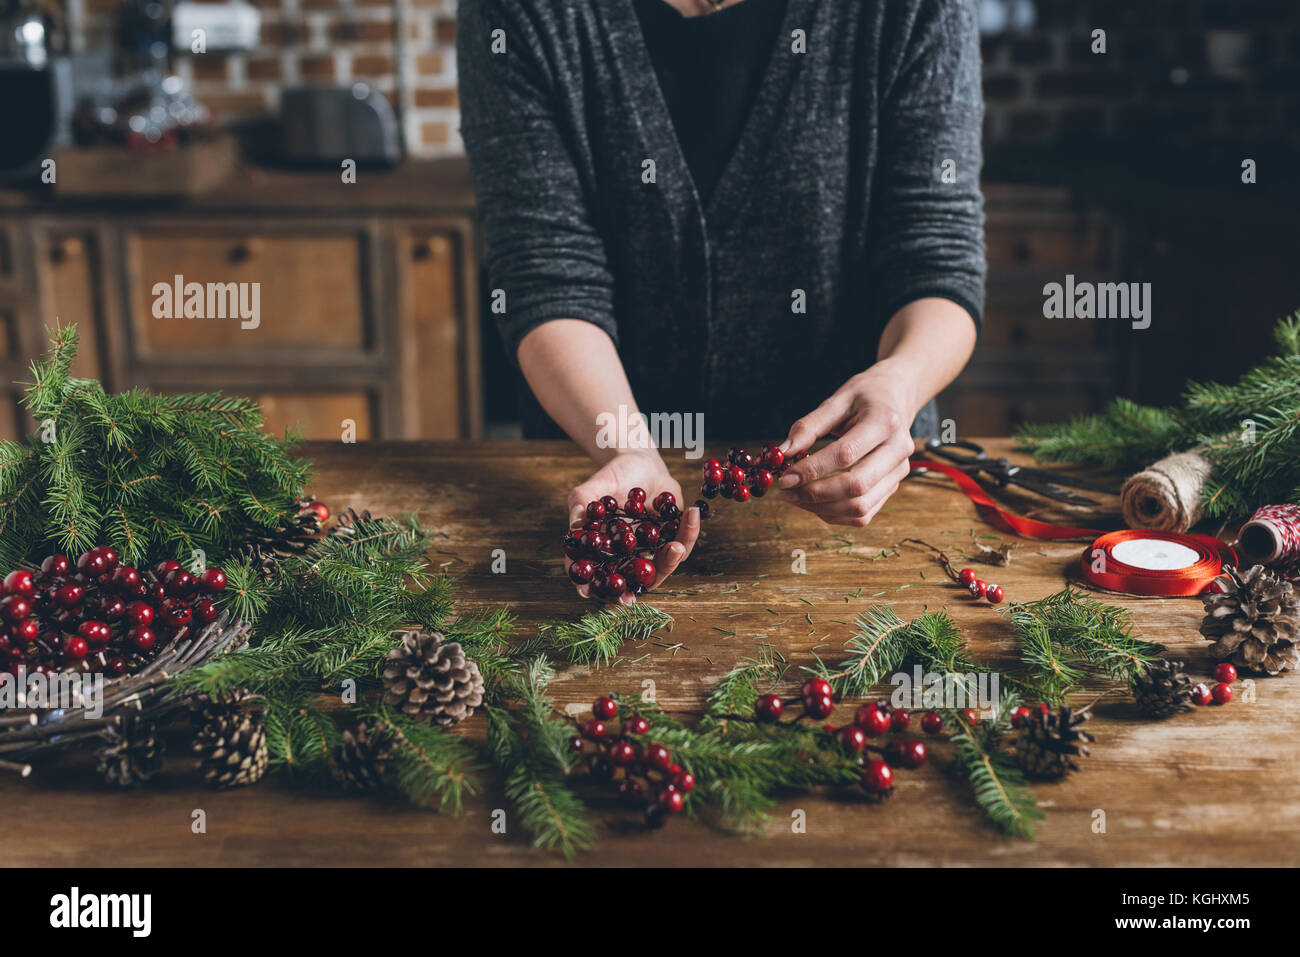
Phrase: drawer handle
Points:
(421, 251)
(64, 249)
(240, 252)
(1022, 252)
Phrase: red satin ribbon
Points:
(1110, 573)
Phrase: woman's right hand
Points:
(626, 471)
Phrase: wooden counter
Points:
(1215, 787)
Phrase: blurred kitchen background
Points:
(205, 140)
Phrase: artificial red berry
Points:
(1221, 693)
(772, 457)
(604, 708)
(156, 591)
(1225, 672)
(26, 630)
(576, 743)
(116, 665)
(967, 576)
(139, 613)
(647, 535)
(871, 720)
(714, 476)
(657, 756)
(16, 607)
(878, 777)
(683, 781)
(163, 567)
(819, 706)
(613, 585)
(179, 583)
(1201, 695)
(635, 724)
(969, 716)
(594, 729)
(932, 722)
(669, 531)
(96, 633)
(899, 720)
(635, 507)
(740, 493)
(911, 753)
(978, 589)
(92, 564)
(1019, 716)
(141, 638)
(175, 613)
(1215, 587)
(55, 566)
(595, 510)
(642, 571)
(610, 503)
(206, 610)
(20, 582)
(624, 543)
(769, 707)
(74, 646)
(760, 480)
(994, 594)
(637, 493)
(582, 571)
(815, 686)
(622, 753)
(109, 554)
(671, 800)
(212, 580)
(124, 576)
(852, 737)
(663, 499)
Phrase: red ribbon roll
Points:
(1100, 566)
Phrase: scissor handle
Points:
(941, 448)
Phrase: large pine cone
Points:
(1049, 743)
(1163, 689)
(430, 676)
(267, 547)
(361, 760)
(132, 753)
(1255, 621)
(231, 743)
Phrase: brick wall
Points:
(1174, 71)
(321, 41)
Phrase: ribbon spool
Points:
(1150, 562)
(1271, 537)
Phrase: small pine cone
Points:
(1163, 689)
(269, 546)
(430, 676)
(232, 743)
(1048, 744)
(132, 753)
(1255, 621)
(361, 760)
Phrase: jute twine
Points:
(1167, 495)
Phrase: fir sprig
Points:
(999, 787)
(597, 637)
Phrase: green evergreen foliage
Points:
(153, 476)
(1068, 636)
(1000, 788)
(1249, 431)
(597, 637)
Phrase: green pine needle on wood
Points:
(999, 787)
(597, 637)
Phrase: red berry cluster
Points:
(612, 552)
(993, 594)
(1225, 674)
(746, 474)
(100, 614)
(638, 770)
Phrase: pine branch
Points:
(878, 645)
(597, 637)
(998, 785)
(738, 690)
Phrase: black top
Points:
(709, 69)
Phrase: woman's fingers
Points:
(869, 432)
(859, 479)
(859, 510)
(669, 556)
(820, 421)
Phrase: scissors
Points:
(1004, 473)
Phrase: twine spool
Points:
(1167, 495)
(1272, 536)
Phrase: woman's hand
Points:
(625, 471)
(847, 482)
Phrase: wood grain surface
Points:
(1218, 786)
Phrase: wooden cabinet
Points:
(343, 309)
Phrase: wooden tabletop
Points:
(1217, 786)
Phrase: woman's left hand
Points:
(848, 481)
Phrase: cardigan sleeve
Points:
(542, 249)
(927, 214)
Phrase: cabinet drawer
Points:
(318, 415)
(1025, 326)
(308, 287)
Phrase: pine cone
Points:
(132, 753)
(360, 762)
(232, 740)
(1255, 621)
(1163, 689)
(430, 676)
(1049, 743)
(269, 546)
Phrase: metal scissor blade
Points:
(1059, 479)
(1050, 490)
